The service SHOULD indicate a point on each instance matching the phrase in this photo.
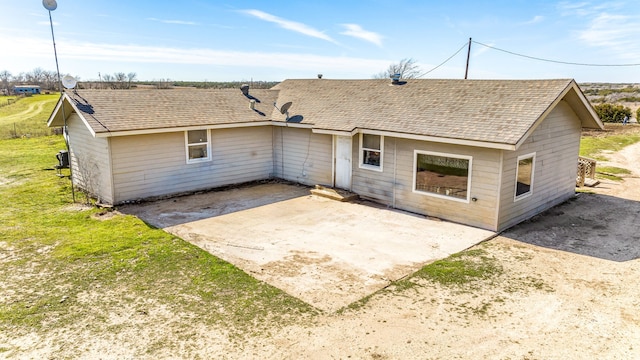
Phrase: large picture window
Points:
(524, 175)
(371, 150)
(198, 146)
(442, 175)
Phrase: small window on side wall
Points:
(524, 175)
(371, 150)
(198, 146)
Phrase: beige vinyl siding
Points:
(375, 184)
(155, 165)
(90, 163)
(556, 143)
(302, 156)
(398, 170)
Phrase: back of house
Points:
(487, 153)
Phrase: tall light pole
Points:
(51, 5)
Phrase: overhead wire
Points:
(553, 61)
(449, 58)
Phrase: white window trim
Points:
(533, 171)
(186, 147)
(361, 163)
(455, 156)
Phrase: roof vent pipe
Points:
(252, 104)
(395, 78)
(245, 89)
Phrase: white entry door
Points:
(343, 162)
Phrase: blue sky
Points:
(274, 40)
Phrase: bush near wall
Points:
(612, 113)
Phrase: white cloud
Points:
(357, 31)
(177, 22)
(289, 25)
(536, 19)
(613, 26)
(116, 53)
(584, 9)
(618, 33)
(568, 8)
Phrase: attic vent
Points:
(319, 76)
(245, 89)
(395, 78)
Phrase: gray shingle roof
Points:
(491, 111)
(131, 110)
(498, 111)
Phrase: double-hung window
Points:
(371, 150)
(442, 175)
(198, 146)
(524, 176)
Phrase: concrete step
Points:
(334, 194)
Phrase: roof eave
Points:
(53, 118)
(590, 119)
(105, 134)
(429, 138)
(579, 104)
(58, 116)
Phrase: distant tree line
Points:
(47, 80)
(166, 83)
(116, 81)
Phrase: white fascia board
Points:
(587, 104)
(180, 129)
(293, 125)
(474, 143)
(59, 107)
(55, 111)
(334, 132)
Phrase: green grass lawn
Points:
(27, 116)
(53, 254)
(595, 147)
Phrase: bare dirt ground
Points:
(570, 290)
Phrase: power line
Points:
(444, 62)
(552, 61)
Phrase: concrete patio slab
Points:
(325, 252)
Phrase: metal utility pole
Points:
(466, 71)
(51, 5)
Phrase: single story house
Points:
(26, 89)
(487, 153)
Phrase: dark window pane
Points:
(525, 167)
(197, 151)
(442, 175)
(371, 141)
(197, 136)
(371, 157)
